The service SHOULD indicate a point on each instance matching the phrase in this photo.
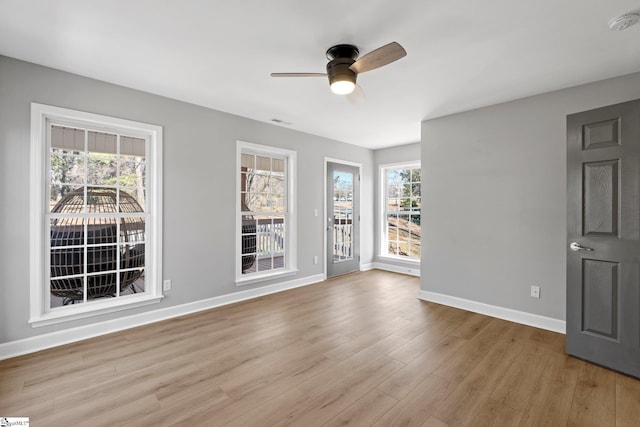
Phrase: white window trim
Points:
(40, 312)
(384, 242)
(291, 231)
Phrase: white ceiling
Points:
(219, 54)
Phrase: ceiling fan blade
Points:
(298, 74)
(357, 96)
(377, 58)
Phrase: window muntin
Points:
(402, 207)
(265, 207)
(96, 197)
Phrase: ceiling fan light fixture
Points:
(343, 87)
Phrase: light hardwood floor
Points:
(355, 350)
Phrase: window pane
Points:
(135, 280)
(248, 162)
(58, 192)
(278, 204)
(133, 174)
(415, 224)
(67, 138)
(393, 177)
(65, 291)
(132, 256)
(102, 231)
(135, 200)
(132, 260)
(66, 168)
(277, 185)
(101, 258)
(278, 166)
(100, 142)
(416, 175)
(393, 248)
(67, 261)
(415, 190)
(263, 164)
(416, 204)
(132, 147)
(101, 286)
(393, 204)
(248, 237)
(67, 232)
(132, 230)
(414, 241)
(257, 183)
(102, 169)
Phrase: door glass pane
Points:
(342, 216)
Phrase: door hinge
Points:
(358, 258)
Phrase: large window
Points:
(401, 193)
(265, 212)
(96, 214)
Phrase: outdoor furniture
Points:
(248, 243)
(68, 245)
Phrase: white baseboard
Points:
(395, 268)
(366, 267)
(522, 317)
(54, 339)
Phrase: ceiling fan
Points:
(344, 66)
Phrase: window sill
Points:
(83, 311)
(397, 259)
(256, 278)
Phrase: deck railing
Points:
(265, 230)
(342, 239)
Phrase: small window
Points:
(97, 206)
(265, 212)
(401, 192)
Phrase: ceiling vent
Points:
(622, 22)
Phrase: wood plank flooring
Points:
(358, 350)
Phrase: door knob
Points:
(575, 246)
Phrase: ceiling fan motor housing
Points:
(341, 78)
(338, 70)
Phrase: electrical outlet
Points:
(535, 291)
(166, 285)
(315, 259)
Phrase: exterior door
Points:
(343, 219)
(603, 236)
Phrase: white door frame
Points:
(324, 210)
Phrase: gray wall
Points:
(385, 156)
(199, 171)
(494, 197)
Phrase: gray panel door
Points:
(603, 236)
(343, 219)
